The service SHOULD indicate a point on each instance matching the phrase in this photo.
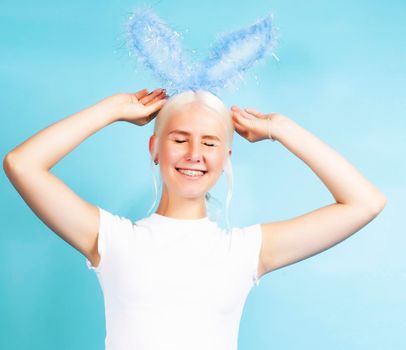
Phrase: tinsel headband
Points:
(158, 47)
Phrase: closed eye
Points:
(207, 144)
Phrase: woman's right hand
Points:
(140, 107)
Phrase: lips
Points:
(189, 177)
(204, 171)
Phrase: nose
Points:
(194, 151)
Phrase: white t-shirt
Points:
(172, 284)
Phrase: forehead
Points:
(196, 119)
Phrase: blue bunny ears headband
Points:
(158, 47)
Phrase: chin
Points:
(192, 194)
(191, 188)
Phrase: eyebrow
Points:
(183, 132)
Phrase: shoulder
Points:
(244, 232)
(247, 238)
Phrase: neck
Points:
(181, 207)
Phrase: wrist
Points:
(274, 125)
(110, 107)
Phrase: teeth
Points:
(191, 172)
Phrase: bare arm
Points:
(28, 168)
(358, 201)
(342, 179)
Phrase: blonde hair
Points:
(208, 100)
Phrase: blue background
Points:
(341, 75)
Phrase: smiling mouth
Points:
(191, 173)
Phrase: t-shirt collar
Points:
(175, 221)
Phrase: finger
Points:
(238, 127)
(156, 106)
(242, 120)
(148, 99)
(240, 130)
(151, 96)
(158, 97)
(141, 93)
(253, 112)
(246, 114)
(235, 108)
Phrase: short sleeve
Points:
(253, 239)
(247, 245)
(109, 227)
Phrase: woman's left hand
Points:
(251, 124)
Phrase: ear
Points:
(152, 144)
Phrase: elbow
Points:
(7, 160)
(373, 206)
(10, 163)
(379, 204)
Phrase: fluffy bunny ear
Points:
(235, 52)
(158, 47)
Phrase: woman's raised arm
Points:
(28, 166)
(357, 200)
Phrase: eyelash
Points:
(210, 145)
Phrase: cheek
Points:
(216, 161)
(169, 154)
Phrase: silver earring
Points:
(156, 162)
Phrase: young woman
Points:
(175, 279)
